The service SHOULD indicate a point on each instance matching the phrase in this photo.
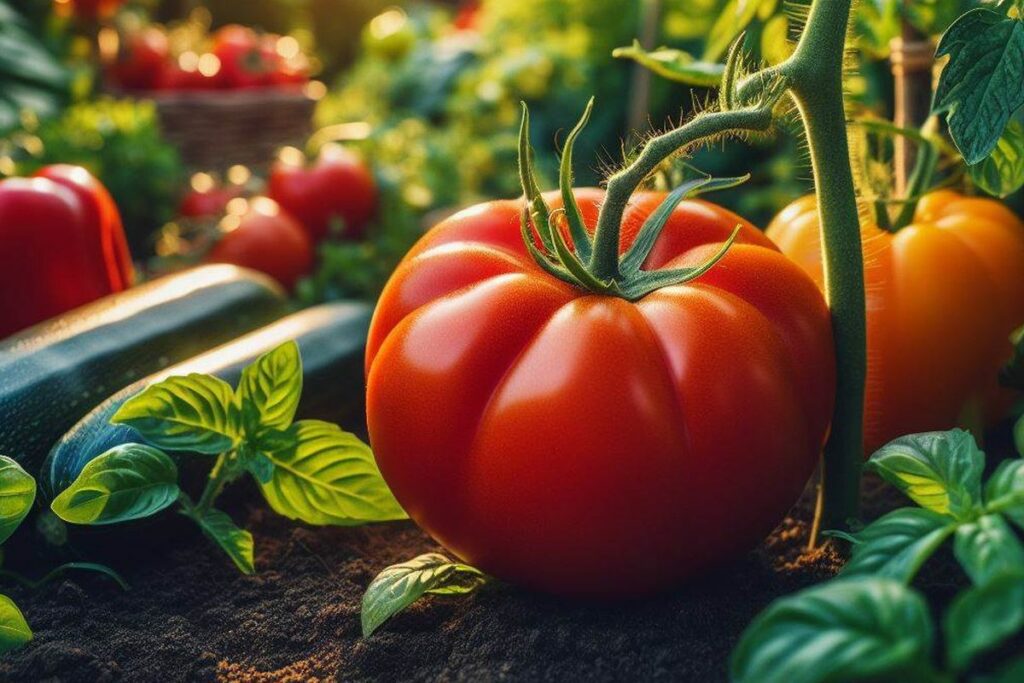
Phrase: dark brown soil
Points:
(190, 616)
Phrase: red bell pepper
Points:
(61, 245)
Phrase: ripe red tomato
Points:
(93, 9)
(141, 59)
(269, 240)
(196, 204)
(584, 444)
(63, 245)
(176, 76)
(337, 189)
(243, 62)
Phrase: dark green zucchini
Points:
(331, 339)
(54, 373)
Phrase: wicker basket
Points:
(215, 130)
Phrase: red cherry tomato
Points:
(141, 59)
(587, 445)
(178, 77)
(196, 204)
(243, 63)
(269, 240)
(63, 245)
(93, 9)
(336, 190)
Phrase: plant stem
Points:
(218, 479)
(816, 75)
(604, 263)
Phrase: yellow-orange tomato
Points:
(943, 295)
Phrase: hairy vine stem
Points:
(813, 76)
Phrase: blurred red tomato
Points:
(185, 75)
(196, 204)
(338, 191)
(141, 59)
(266, 239)
(243, 62)
(91, 9)
(63, 245)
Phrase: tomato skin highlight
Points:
(943, 296)
(584, 445)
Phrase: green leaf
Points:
(983, 83)
(732, 20)
(845, 630)
(257, 464)
(983, 617)
(130, 481)
(675, 65)
(270, 389)
(1002, 172)
(897, 544)
(1004, 491)
(1011, 672)
(194, 413)
(400, 585)
(14, 630)
(987, 548)
(327, 476)
(17, 493)
(236, 542)
(775, 45)
(940, 471)
(1018, 436)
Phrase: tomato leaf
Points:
(400, 585)
(987, 548)
(323, 475)
(14, 630)
(1004, 490)
(130, 481)
(236, 542)
(732, 20)
(17, 493)
(194, 413)
(1012, 375)
(270, 389)
(983, 617)
(983, 83)
(1002, 172)
(940, 471)
(844, 630)
(674, 65)
(897, 544)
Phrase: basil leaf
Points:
(983, 617)
(17, 493)
(844, 630)
(194, 413)
(326, 476)
(940, 471)
(987, 548)
(1004, 490)
(14, 630)
(258, 465)
(130, 481)
(675, 65)
(1011, 672)
(983, 83)
(897, 544)
(270, 388)
(236, 542)
(400, 585)
(1001, 173)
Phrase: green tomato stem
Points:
(815, 72)
(604, 262)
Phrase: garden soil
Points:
(190, 616)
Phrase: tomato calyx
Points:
(575, 264)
